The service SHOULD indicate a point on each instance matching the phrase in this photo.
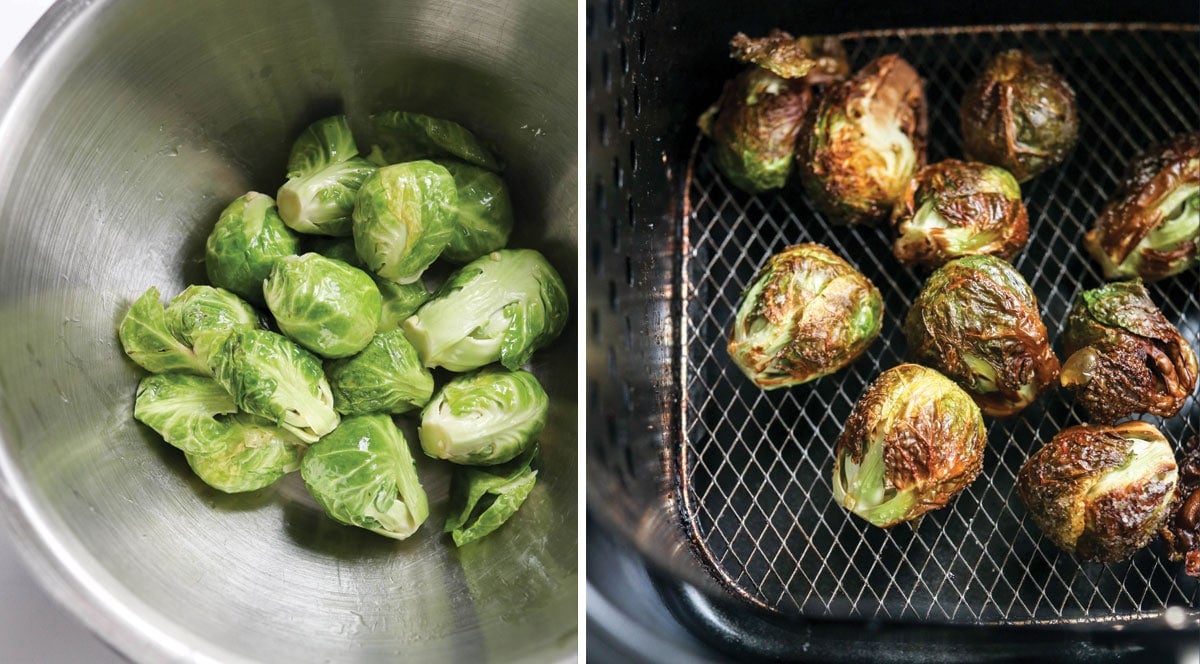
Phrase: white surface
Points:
(33, 628)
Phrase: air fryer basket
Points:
(726, 486)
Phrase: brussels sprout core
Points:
(485, 418)
(324, 175)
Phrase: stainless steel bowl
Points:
(126, 126)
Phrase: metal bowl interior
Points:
(126, 126)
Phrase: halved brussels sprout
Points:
(273, 378)
(483, 498)
(977, 321)
(1151, 229)
(1181, 530)
(1019, 115)
(148, 340)
(399, 300)
(807, 314)
(201, 309)
(1100, 492)
(483, 218)
(324, 176)
(817, 59)
(500, 307)
(386, 377)
(485, 418)
(183, 409)
(955, 208)
(323, 304)
(913, 441)
(252, 454)
(1124, 357)
(411, 136)
(865, 141)
(404, 218)
(363, 475)
(244, 245)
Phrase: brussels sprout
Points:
(183, 409)
(977, 321)
(815, 59)
(386, 377)
(1123, 356)
(412, 136)
(201, 309)
(244, 245)
(807, 314)
(484, 216)
(273, 378)
(324, 175)
(323, 304)
(953, 209)
(363, 475)
(148, 341)
(502, 306)
(484, 418)
(1151, 229)
(1181, 529)
(865, 141)
(1019, 115)
(252, 454)
(913, 441)
(482, 499)
(399, 300)
(404, 218)
(1100, 492)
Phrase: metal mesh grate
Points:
(755, 465)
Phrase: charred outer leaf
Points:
(1181, 531)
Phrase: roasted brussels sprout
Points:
(1019, 115)
(807, 314)
(273, 378)
(201, 309)
(913, 441)
(363, 475)
(252, 455)
(1151, 228)
(399, 300)
(1100, 492)
(864, 142)
(323, 304)
(483, 498)
(183, 409)
(955, 208)
(412, 136)
(1123, 356)
(977, 321)
(815, 59)
(500, 307)
(324, 175)
(244, 245)
(404, 218)
(484, 418)
(148, 340)
(1181, 530)
(483, 218)
(386, 377)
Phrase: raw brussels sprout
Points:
(484, 216)
(404, 218)
(252, 454)
(412, 136)
(386, 377)
(484, 418)
(502, 306)
(807, 314)
(483, 498)
(865, 141)
(1100, 492)
(363, 475)
(183, 409)
(1019, 115)
(1123, 356)
(244, 245)
(913, 441)
(148, 341)
(1181, 530)
(815, 59)
(953, 209)
(977, 321)
(323, 304)
(324, 175)
(273, 378)
(1151, 229)
(201, 309)
(399, 300)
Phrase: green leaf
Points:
(148, 341)
(483, 499)
(411, 136)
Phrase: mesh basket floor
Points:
(755, 466)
